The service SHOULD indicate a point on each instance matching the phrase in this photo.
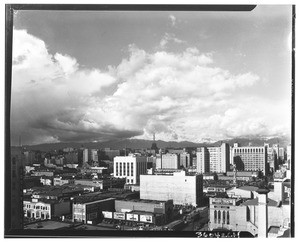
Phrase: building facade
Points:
(167, 161)
(181, 188)
(185, 159)
(130, 167)
(202, 160)
(213, 159)
(46, 209)
(89, 211)
(227, 213)
(250, 158)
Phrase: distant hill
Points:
(144, 144)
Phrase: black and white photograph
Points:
(149, 121)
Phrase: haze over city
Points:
(185, 76)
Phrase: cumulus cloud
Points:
(182, 96)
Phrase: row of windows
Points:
(123, 170)
(221, 219)
(130, 181)
(35, 207)
(36, 215)
(248, 150)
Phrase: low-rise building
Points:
(89, 182)
(155, 207)
(60, 181)
(46, 208)
(88, 208)
(46, 181)
(42, 173)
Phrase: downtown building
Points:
(262, 212)
(130, 167)
(213, 159)
(182, 188)
(167, 161)
(250, 158)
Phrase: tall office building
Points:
(185, 159)
(86, 155)
(271, 158)
(202, 160)
(130, 167)
(213, 159)
(250, 158)
(94, 155)
(219, 158)
(281, 153)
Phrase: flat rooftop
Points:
(142, 201)
(91, 197)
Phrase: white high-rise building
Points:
(85, 155)
(213, 159)
(94, 154)
(219, 158)
(130, 167)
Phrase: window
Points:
(219, 217)
(228, 218)
(117, 168)
(215, 216)
(224, 217)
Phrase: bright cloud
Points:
(170, 38)
(182, 96)
(173, 19)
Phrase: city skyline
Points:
(96, 76)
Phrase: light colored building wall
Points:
(94, 154)
(130, 167)
(182, 189)
(253, 158)
(37, 210)
(86, 155)
(169, 161)
(227, 214)
(239, 193)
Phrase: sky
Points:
(185, 76)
